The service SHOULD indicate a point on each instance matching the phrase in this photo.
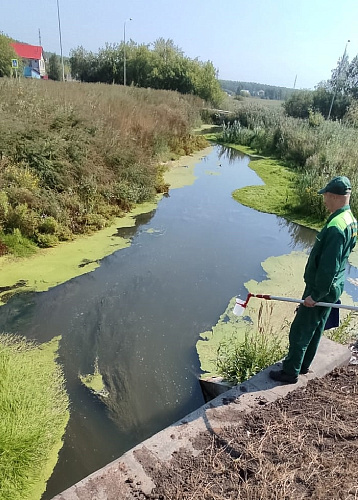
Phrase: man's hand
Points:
(309, 302)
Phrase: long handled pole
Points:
(300, 301)
(241, 305)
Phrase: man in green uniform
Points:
(324, 279)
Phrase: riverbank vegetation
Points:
(240, 359)
(315, 150)
(73, 156)
(33, 416)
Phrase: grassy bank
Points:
(73, 156)
(33, 416)
(279, 193)
(315, 149)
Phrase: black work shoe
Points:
(304, 371)
(281, 376)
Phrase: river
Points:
(141, 311)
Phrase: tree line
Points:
(160, 65)
(269, 91)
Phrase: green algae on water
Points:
(52, 266)
(94, 382)
(180, 173)
(277, 195)
(32, 387)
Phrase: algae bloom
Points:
(33, 416)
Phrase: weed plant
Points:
(33, 416)
(239, 360)
(316, 148)
(346, 331)
(73, 156)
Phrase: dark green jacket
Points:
(324, 273)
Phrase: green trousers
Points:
(305, 334)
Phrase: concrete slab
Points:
(121, 478)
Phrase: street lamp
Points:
(337, 81)
(59, 31)
(124, 51)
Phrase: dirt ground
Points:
(302, 446)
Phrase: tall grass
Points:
(239, 360)
(33, 416)
(317, 149)
(74, 155)
(346, 331)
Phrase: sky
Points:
(274, 42)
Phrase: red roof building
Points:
(33, 59)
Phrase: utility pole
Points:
(337, 81)
(60, 36)
(124, 52)
(294, 85)
(40, 38)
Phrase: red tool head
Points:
(240, 305)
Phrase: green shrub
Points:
(238, 361)
(64, 233)
(346, 331)
(18, 244)
(351, 117)
(4, 207)
(315, 118)
(48, 225)
(22, 218)
(21, 176)
(95, 221)
(46, 240)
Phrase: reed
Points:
(317, 149)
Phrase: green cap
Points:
(338, 185)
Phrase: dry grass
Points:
(303, 446)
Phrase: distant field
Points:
(231, 104)
(263, 102)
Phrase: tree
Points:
(7, 53)
(54, 67)
(339, 74)
(140, 62)
(208, 86)
(163, 67)
(84, 65)
(299, 104)
(352, 78)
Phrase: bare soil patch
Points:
(302, 446)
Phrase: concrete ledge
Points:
(119, 479)
(212, 387)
